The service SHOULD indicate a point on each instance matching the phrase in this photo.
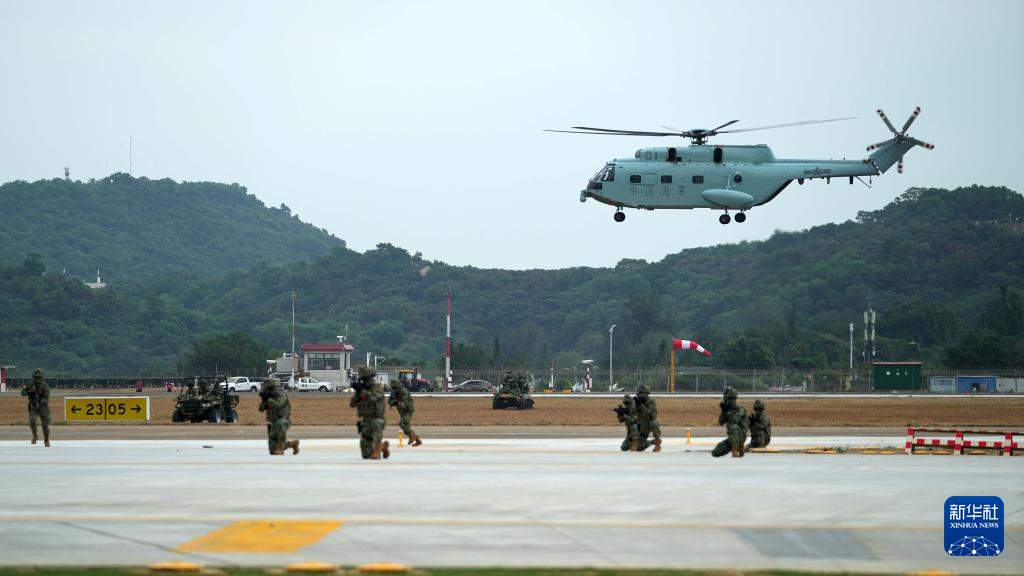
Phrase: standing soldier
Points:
(626, 414)
(402, 400)
(274, 401)
(370, 404)
(647, 418)
(734, 417)
(38, 393)
(760, 427)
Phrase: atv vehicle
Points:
(512, 394)
(215, 406)
(413, 381)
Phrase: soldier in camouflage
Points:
(734, 417)
(626, 413)
(401, 399)
(274, 402)
(370, 404)
(38, 393)
(647, 418)
(760, 427)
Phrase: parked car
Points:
(310, 384)
(472, 386)
(241, 384)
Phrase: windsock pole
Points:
(672, 370)
(448, 340)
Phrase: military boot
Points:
(35, 436)
(375, 455)
(633, 446)
(657, 444)
(46, 440)
(294, 445)
(417, 441)
(385, 449)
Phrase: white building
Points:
(328, 362)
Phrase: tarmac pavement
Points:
(496, 502)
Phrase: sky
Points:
(420, 123)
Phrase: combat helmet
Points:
(37, 373)
(271, 383)
(643, 390)
(367, 373)
(729, 393)
(758, 405)
(627, 399)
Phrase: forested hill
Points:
(944, 270)
(129, 228)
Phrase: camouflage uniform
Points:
(38, 393)
(734, 417)
(506, 382)
(402, 400)
(369, 401)
(521, 385)
(647, 418)
(274, 401)
(760, 427)
(628, 417)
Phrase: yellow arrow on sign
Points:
(106, 409)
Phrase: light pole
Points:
(611, 375)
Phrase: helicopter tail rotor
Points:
(891, 151)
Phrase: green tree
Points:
(234, 353)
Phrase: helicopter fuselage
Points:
(710, 176)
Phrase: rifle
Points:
(621, 411)
(34, 399)
(393, 398)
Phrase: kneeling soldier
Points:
(734, 417)
(760, 427)
(274, 401)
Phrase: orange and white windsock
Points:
(689, 345)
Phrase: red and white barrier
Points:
(922, 438)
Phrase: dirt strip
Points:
(333, 410)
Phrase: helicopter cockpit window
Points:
(606, 174)
(634, 179)
(697, 179)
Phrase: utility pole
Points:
(131, 158)
(611, 350)
(294, 359)
(448, 340)
(851, 353)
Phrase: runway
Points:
(496, 502)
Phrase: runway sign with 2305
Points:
(106, 409)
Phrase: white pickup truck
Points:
(241, 384)
(309, 384)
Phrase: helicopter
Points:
(726, 177)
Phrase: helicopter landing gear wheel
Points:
(741, 217)
(619, 216)
(725, 219)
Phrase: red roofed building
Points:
(328, 361)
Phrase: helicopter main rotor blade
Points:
(628, 132)
(921, 143)
(729, 123)
(879, 145)
(910, 120)
(886, 120)
(801, 123)
(613, 133)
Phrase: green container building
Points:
(897, 376)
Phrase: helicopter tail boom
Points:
(889, 153)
